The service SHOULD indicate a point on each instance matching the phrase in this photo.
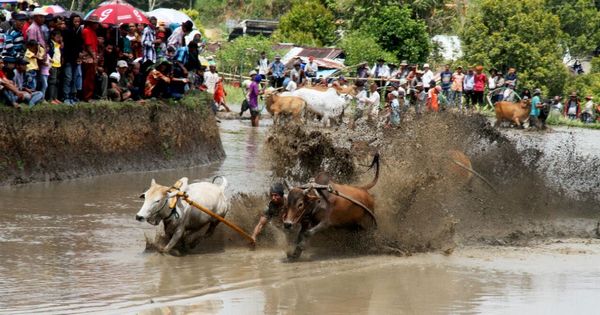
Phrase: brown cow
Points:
(276, 105)
(514, 112)
(318, 209)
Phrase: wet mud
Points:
(425, 201)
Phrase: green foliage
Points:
(195, 16)
(397, 32)
(595, 65)
(557, 119)
(307, 23)
(524, 36)
(363, 47)
(585, 84)
(580, 21)
(242, 54)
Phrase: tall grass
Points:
(235, 95)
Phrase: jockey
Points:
(275, 209)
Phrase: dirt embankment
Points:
(425, 201)
(56, 143)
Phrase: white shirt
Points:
(362, 99)
(263, 66)
(492, 83)
(312, 67)
(374, 100)
(291, 86)
(427, 77)
(589, 107)
(210, 80)
(381, 72)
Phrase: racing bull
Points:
(322, 204)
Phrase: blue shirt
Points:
(277, 68)
(534, 110)
(446, 78)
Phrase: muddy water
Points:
(74, 247)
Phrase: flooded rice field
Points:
(75, 247)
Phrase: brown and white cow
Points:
(317, 209)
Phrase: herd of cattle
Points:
(330, 103)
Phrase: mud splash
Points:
(423, 201)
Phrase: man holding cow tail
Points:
(275, 209)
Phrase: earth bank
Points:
(56, 143)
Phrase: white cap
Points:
(115, 75)
(122, 64)
(253, 73)
(395, 93)
(426, 65)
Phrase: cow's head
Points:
(300, 202)
(156, 199)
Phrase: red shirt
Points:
(90, 39)
(24, 30)
(480, 80)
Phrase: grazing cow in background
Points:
(517, 113)
(183, 223)
(318, 209)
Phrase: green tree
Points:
(587, 84)
(241, 55)
(360, 47)
(195, 16)
(307, 23)
(580, 21)
(524, 36)
(397, 32)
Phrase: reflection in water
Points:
(74, 246)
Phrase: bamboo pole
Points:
(234, 227)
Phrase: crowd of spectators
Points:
(64, 60)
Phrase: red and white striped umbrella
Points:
(118, 12)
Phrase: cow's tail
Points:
(223, 181)
(375, 164)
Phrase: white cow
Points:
(183, 223)
(329, 104)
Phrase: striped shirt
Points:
(148, 38)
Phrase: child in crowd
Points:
(31, 56)
(220, 94)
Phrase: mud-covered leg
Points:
(303, 236)
(211, 229)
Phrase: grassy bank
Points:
(555, 119)
(54, 142)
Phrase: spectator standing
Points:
(456, 97)
(15, 37)
(177, 38)
(362, 72)
(373, 101)
(149, 40)
(71, 65)
(381, 72)
(480, 80)
(572, 106)
(34, 31)
(587, 115)
(263, 64)
(277, 70)
(220, 95)
(427, 77)
(55, 53)
(90, 58)
(446, 82)
(211, 77)
(511, 77)
(394, 110)
(468, 86)
(535, 109)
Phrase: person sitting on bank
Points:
(275, 208)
